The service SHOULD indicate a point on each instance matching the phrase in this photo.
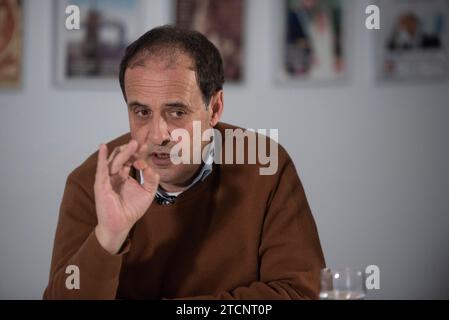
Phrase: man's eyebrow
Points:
(136, 103)
(178, 104)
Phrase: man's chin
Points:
(174, 174)
(166, 173)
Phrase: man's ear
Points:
(216, 108)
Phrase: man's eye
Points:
(143, 113)
(177, 114)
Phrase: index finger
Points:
(140, 159)
(102, 174)
(123, 156)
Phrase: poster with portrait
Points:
(91, 55)
(10, 43)
(412, 41)
(313, 40)
(222, 22)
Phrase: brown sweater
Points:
(236, 235)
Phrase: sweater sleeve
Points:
(76, 245)
(290, 253)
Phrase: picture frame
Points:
(223, 23)
(312, 46)
(412, 44)
(90, 57)
(11, 44)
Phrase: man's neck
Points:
(181, 187)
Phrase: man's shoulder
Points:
(85, 173)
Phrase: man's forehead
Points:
(155, 80)
(159, 73)
(140, 75)
(163, 59)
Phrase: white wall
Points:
(374, 159)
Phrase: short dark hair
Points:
(208, 64)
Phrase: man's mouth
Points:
(161, 155)
(161, 159)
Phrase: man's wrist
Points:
(110, 242)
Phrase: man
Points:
(135, 225)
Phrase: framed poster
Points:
(222, 22)
(90, 57)
(312, 40)
(412, 41)
(10, 43)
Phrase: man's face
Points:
(163, 96)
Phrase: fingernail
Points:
(140, 164)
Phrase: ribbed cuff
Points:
(96, 262)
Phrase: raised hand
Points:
(120, 200)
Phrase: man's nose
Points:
(159, 133)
